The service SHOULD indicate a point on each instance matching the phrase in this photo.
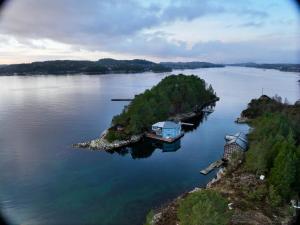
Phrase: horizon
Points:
(225, 64)
(172, 31)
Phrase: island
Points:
(173, 100)
(190, 65)
(285, 67)
(102, 66)
(258, 186)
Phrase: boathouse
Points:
(235, 143)
(167, 129)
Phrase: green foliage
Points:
(274, 197)
(174, 94)
(257, 107)
(274, 148)
(149, 218)
(204, 207)
(283, 173)
(259, 194)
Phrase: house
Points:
(235, 143)
(167, 129)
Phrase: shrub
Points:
(205, 207)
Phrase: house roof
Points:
(239, 139)
(166, 125)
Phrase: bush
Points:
(149, 218)
(259, 194)
(274, 198)
(205, 207)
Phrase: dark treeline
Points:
(174, 94)
(102, 66)
(277, 66)
(275, 146)
(190, 65)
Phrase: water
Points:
(45, 181)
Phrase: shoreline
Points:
(102, 144)
(240, 188)
(228, 182)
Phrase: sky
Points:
(217, 31)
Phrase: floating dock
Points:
(159, 138)
(212, 166)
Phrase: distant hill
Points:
(102, 66)
(276, 66)
(190, 65)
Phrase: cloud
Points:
(71, 19)
(252, 24)
(119, 27)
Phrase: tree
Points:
(283, 174)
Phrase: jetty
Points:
(187, 124)
(121, 99)
(212, 166)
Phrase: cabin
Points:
(167, 129)
(235, 143)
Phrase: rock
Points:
(250, 217)
(102, 144)
(242, 120)
(195, 190)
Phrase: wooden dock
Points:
(121, 99)
(212, 166)
(159, 138)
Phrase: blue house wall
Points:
(170, 132)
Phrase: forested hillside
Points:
(101, 66)
(275, 146)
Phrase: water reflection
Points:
(146, 146)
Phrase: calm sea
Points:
(43, 180)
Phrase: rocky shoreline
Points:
(242, 119)
(231, 182)
(102, 144)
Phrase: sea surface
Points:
(43, 180)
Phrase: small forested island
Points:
(102, 66)
(176, 97)
(288, 67)
(260, 186)
(190, 65)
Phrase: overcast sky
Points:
(221, 31)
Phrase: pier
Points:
(212, 166)
(121, 99)
(159, 138)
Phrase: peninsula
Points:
(260, 186)
(176, 97)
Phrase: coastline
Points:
(102, 144)
(244, 192)
(230, 182)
